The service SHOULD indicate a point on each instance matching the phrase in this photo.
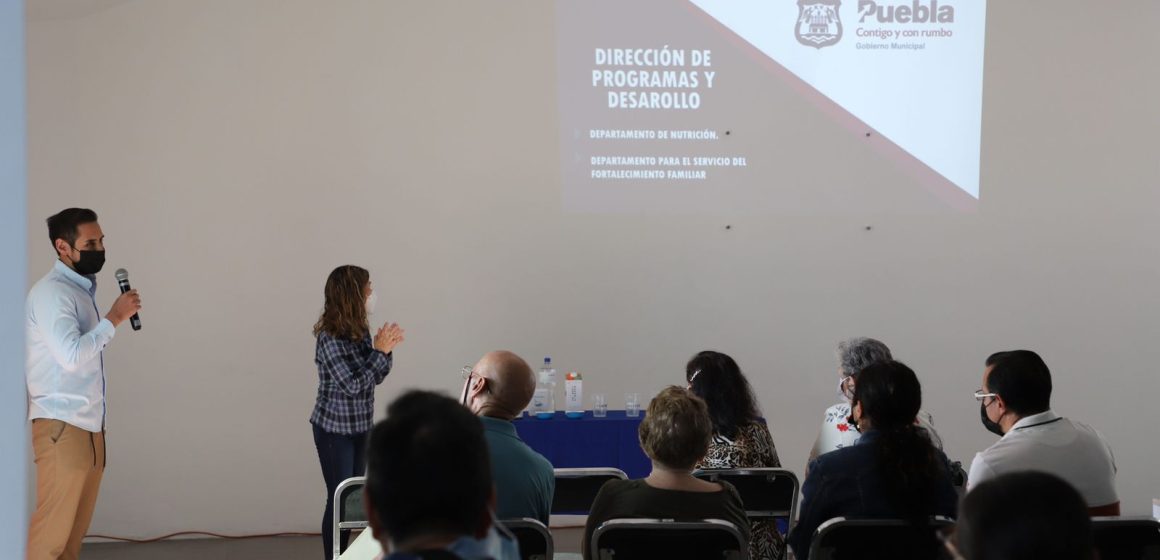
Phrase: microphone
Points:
(122, 276)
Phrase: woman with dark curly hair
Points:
(741, 439)
(350, 364)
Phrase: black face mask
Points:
(992, 427)
(91, 262)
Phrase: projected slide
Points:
(770, 106)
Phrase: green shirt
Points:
(524, 480)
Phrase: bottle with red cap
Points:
(573, 395)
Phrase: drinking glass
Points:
(599, 405)
(631, 405)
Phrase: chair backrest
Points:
(1127, 538)
(577, 488)
(710, 539)
(534, 538)
(348, 509)
(872, 539)
(764, 492)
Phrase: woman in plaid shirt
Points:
(350, 365)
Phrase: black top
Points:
(436, 554)
(847, 483)
(620, 499)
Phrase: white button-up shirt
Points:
(66, 335)
(1049, 443)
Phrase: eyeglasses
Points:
(846, 386)
(465, 373)
(981, 396)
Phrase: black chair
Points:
(878, 539)
(1127, 538)
(766, 493)
(577, 488)
(348, 510)
(630, 539)
(534, 538)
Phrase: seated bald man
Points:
(497, 390)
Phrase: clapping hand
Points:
(388, 337)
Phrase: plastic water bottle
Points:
(573, 396)
(544, 400)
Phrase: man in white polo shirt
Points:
(1015, 402)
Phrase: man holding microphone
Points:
(66, 384)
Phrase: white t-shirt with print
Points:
(837, 432)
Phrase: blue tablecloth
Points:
(588, 442)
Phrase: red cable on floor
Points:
(206, 533)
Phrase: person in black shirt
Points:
(429, 492)
(1024, 514)
(893, 471)
(675, 434)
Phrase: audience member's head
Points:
(717, 379)
(1024, 515)
(855, 355)
(676, 429)
(500, 385)
(1016, 383)
(1021, 379)
(428, 474)
(887, 397)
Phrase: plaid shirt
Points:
(347, 374)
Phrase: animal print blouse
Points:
(751, 448)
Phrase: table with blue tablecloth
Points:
(610, 441)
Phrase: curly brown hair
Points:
(676, 429)
(344, 315)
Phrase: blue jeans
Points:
(342, 456)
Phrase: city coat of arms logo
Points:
(818, 23)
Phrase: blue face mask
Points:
(499, 544)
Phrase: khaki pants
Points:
(69, 465)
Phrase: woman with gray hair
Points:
(855, 355)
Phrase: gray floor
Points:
(280, 548)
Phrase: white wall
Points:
(14, 461)
(238, 150)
